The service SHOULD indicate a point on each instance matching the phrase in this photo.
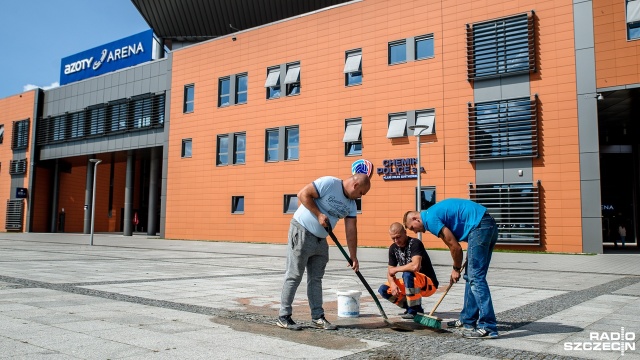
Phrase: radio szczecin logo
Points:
(605, 341)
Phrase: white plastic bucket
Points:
(349, 303)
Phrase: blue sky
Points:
(37, 34)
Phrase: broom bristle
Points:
(428, 321)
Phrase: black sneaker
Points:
(323, 323)
(458, 324)
(286, 322)
(480, 334)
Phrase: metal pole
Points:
(419, 189)
(93, 200)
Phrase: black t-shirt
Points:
(402, 256)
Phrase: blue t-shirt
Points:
(331, 202)
(458, 215)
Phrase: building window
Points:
(59, 124)
(290, 203)
(237, 204)
(426, 118)
(98, 117)
(633, 19)
(134, 114)
(142, 109)
(241, 88)
(353, 68)
(282, 143)
(77, 124)
(186, 148)
(20, 134)
(397, 52)
(501, 47)
(273, 142)
(273, 83)
(503, 129)
(239, 148)
(224, 88)
(292, 137)
(238, 143)
(189, 96)
(397, 125)
(352, 137)
(427, 197)
(292, 80)
(1, 133)
(515, 207)
(424, 47)
(118, 116)
(222, 152)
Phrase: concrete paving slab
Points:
(168, 299)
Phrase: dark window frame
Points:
(239, 92)
(189, 99)
(515, 207)
(353, 78)
(287, 203)
(188, 142)
(219, 153)
(503, 129)
(419, 39)
(349, 145)
(393, 44)
(222, 95)
(501, 47)
(237, 201)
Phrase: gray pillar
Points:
(54, 201)
(87, 196)
(128, 195)
(154, 174)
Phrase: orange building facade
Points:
(515, 97)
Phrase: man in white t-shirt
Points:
(322, 203)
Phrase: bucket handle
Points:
(347, 279)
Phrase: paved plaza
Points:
(149, 298)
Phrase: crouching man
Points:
(408, 256)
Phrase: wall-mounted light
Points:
(599, 97)
(233, 38)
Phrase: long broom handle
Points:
(445, 292)
(364, 282)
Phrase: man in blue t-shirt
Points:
(455, 220)
(322, 203)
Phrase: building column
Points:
(154, 173)
(54, 201)
(128, 195)
(88, 196)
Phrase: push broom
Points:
(393, 326)
(431, 321)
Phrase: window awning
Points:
(352, 132)
(353, 63)
(397, 127)
(633, 11)
(273, 79)
(428, 119)
(293, 75)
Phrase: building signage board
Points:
(399, 169)
(21, 193)
(116, 55)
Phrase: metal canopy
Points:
(198, 20)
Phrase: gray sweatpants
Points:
(305, 250)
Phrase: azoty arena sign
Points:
(116, 55)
